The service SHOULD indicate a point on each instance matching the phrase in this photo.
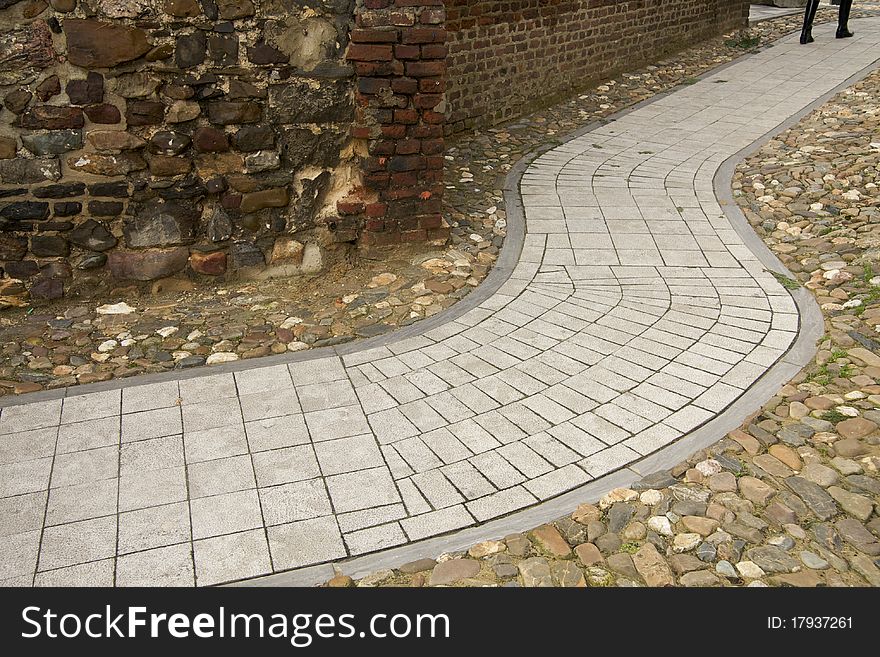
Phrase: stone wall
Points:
(145, 138)
(507, 56)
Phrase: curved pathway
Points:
(634, 314)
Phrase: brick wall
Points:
(398, 48)
(507, 56)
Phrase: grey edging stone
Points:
(810, 329)
(781, 14)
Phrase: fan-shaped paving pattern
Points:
(634, 314)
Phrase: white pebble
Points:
(121, 308)
(661, 525)
(221, 357)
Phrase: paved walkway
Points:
(634, 314)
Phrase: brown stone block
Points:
(209, 264)
(218, 164)
(94, 44)
(210, 140)
(166, 166)
(114, 141)
(147, 265)
(104, 114)
(267, 198)
(50, 117)
(107, 165)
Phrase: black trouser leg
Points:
(809, 16)
(843, 19)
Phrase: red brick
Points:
(373, 85)
(406, 116)
(362, 35)
(435, 51)
(408, 146)
(432, 146)
(407, 52)
(400, 163)
(432, 85)
(369, 53)
(419, 235)
(560, 47)
(431, 221)
(423, 35)
(350, 207)
(427, 101)
(376, 209)
(394, 131)
(407, 86)
(425, 69)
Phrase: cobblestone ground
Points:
(77, 342)
(791, 498)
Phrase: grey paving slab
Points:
(635, 324)
(152, 454)
(321, 396)
(348, 454)
(95, 573)
(375, 538)
(37, 415)
(151, 396)
(300, 500)
(211, 414)
(78, 542)
(89, 434)
(164, 566)
(28, 445)
(25, 477)
(151, 424)
(82, 502)
(222, 475)
(362, 489)
(306, 542)
(337, 423)
(285, 465)
(221, 442)
(433, 523)
(22, 513)
(19, 554)
(225, 514)
(231, 557)
(91, 406)
(152, 488)
(207, 388)
(153, 527)
(276, 403)
(275, 432)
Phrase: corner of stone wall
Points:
(142, 139)
(398, 49)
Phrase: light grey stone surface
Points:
(630, 328)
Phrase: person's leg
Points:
(809, 16)
(843, 19)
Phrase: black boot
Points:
(809, 16)
(843, 19)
